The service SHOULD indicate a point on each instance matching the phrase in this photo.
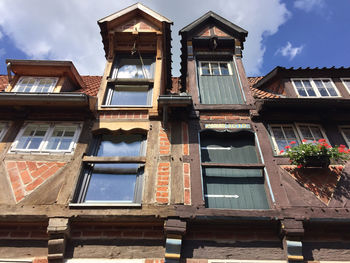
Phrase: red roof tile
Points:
(260, 94)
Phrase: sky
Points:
(289, 33)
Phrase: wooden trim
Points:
(243, 166)
(124, 159)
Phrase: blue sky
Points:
(299, 33)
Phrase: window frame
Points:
(87, 172)
(218, 62)
(298, 124)
(273, 139)
(46, 137)
(346, 86)
(314, 87)
(37, 81)
(341, 127)
(112, 89)
(3, 130)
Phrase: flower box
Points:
(322, 161)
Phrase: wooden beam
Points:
(241, 165)
(124, 159)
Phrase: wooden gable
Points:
(211, 31)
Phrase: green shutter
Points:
(231, 172)
(220, 89)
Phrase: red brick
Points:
(186, 168)
(163, 164)
(232, 118)
(217, 117)
(186, 149)
(164, 148)
(14, 176)
(32, 166)
(39, 171)
(40, 260)
(162, 200)
(163, 152)
(149, 261)
(162, 182)
(163, 173)
(34, 184)
(162, 194)
(162, 189)
(187, 197)
(60, 164)
(163, 169)
(186, 181)
(25, 177)
(21, 166)
(50, 172)
(16, 185)
(10, 165)
(163, 178)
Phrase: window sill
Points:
(126, 106)
(104, 205)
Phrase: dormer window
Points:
(133, 67)
(314, 88)
(35, 84)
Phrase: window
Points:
(284, 134)
(232, 174)
(138, 93)
(35, 84)
(315, 88)
(106, 180)
(34, 137)
(345, 131)
(346, 83)
(218, 83)
(129, 95)
(3, 129)
(133, 67)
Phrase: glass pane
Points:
(277, 132)
(346, 132)
(34, 143)
(306, 133)
(53, 143)
(310, 91)
(23, 142)
(105, 185)
(26, 85)
(65, 144)
(130, 96)
(331, 90)
(135, 68)
(215, 69)
(300, 88)
(205, 68)
(224, 69)
(120, 145)
(321, 88)
(317, 134)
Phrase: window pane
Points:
(331, 90)
(107, 186)
(61, 138)
(321, 88)
(306, 133)
(32, 137)
(133, 95)
(215, 69)
(134, 67)
(25, 85)
(224, 69)
(44, 85)
(205, 68)
(316, 132)
(120, 145)
(300, 88)
(310, 91)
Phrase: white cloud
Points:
(309, 5)
(67, 30)
(289, 51)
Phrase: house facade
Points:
(138, 166)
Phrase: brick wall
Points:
(224, 116)
(26, 176)
(86, 230)
(124, 115)
(164, 142)
(23, 231)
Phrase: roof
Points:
(260, 94)
(213, 17)
(92, 84)
(283, 72)
(133, 7)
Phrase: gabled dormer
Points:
(211, 53)
(137, 48)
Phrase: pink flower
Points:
(304, 140)
(281, 151)
(293, 142)
(322, 140)
(342, 146)
(300, 166)
(287, 147)
(341, 150)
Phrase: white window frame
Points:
(311, 124)
(314, 87)
(47, 136)
(37, 81)
(346, 86)
(341, 127)
(4, 127)
(210, 62)
(275, 146)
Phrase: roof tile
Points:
(260, 94)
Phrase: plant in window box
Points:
(315, 154)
